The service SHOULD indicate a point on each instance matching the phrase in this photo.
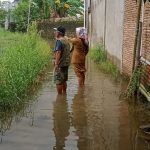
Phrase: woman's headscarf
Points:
(81, 32)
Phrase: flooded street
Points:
(91, 118)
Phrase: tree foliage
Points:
(20, 14)
(44, 9)
(68, 7)
(2, 14)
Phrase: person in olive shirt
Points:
(61, 60)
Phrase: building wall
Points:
(97, 22)
(145, 49)
(146, 32)
(129, 35)
(114, 30)
(129, 39)
(120, 24)
(130, 19)
(107, 27)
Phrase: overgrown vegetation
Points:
(134, 82)
(99, 55)
(22, 57)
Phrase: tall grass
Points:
(21, 60)
(99, 55)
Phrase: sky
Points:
(7, 0)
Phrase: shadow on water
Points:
(91, 118)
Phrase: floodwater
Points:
(90, 118)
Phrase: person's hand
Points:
(53, 62)
(56, 66)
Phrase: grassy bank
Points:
(22, 58)
(99, 55)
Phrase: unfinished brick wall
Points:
(130, 18)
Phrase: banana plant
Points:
(69, 7)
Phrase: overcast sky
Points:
(7, 0)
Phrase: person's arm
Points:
(58, 50)
(73, 40)
(57, 57)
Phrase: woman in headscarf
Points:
(79, 51)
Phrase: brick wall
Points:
(130, 16)
(146, 46)
(130, 19)
(145, 80)
(146, 32)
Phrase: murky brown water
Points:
(91, 118)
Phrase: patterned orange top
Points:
(78, 53)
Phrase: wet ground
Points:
(91, 118)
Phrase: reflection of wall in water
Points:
(102, 111)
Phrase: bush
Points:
(20, 62)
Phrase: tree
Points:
(2, 14)
(69, 7)
(61, 8)
(20, 14)
(42, 9)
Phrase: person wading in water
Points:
(80, 49)
(61, 60)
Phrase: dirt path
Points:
(92, 118)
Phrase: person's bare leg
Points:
(80, 81)
(83, 78)
(65, 87)
(59, 88)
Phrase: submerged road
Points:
(91, 118)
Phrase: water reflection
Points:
(91, 119)
(80, 119)
(7, 117)
(61, 121)
(90, 126)
(5, 123)
(139, 116)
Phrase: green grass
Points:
(134, 82)
(99, 55)
(22, 58)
